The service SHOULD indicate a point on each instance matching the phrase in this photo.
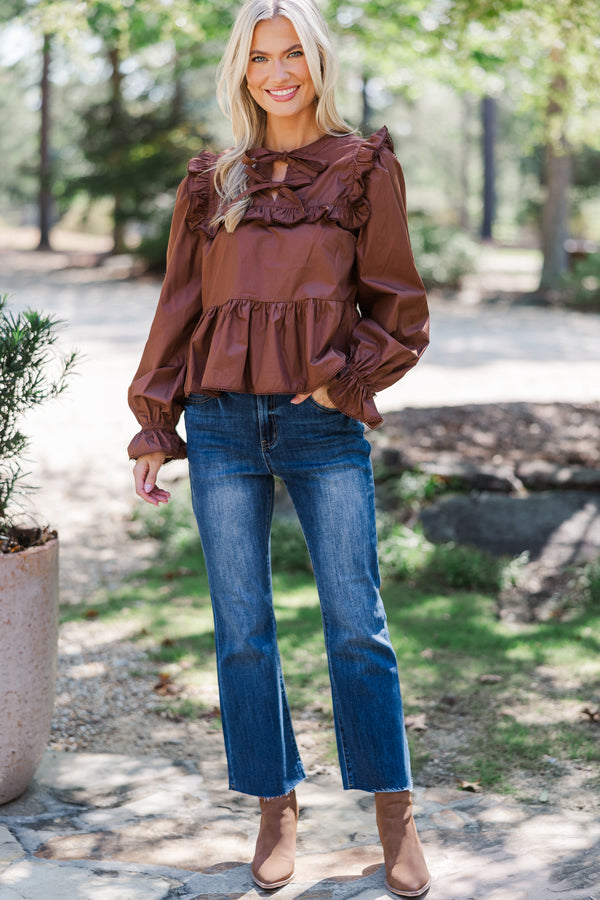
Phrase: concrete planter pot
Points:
(28, 656)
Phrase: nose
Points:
(279, 70)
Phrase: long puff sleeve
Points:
(156, 395)
(393, 330)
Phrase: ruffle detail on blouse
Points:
(367, 156)
(150, 440)
(354, 398)
(293, 215)
(203, 198)
(350, 208)
(269, 347)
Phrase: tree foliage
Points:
(137, 123)
(135, 144)
(540, 53)
(549, 48)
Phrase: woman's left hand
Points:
(321, 396)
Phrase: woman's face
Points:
(277, 74)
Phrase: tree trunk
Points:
(555, 218)
(116, 80)
(488, 120)
(367, 110)
(464, 163)
(45, 194)
(178, 104)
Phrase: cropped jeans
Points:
(237, 443)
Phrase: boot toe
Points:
(268, 877)
(402, 891)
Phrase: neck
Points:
(289, 134)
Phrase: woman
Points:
(290, 297)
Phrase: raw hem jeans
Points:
(236, 444)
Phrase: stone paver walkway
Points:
(109, 827)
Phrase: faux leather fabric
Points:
(316, 286)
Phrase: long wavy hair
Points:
(248, 119)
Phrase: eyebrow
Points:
(289, 50)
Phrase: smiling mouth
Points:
(284, 93)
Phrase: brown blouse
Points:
(317, 284)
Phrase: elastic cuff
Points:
(354, 398)
(151, 440)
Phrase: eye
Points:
(256, 59)
(296, 53)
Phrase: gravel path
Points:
(78, 457)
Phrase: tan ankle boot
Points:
(406, 872)
(275, 853)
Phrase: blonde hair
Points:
(248, 119)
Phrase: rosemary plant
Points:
(32, 371)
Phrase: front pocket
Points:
(198, 399)
(325, 409)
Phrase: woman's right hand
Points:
(145, 473)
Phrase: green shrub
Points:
(288, 548)
(32, 371)
(403, 553)
(173, 523)
(414, 486)
(468, 568)
(444, 254)
(582, 284)
(592, 583)
(152, 248)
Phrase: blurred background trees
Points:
(493, 107)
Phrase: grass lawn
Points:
(488, 701)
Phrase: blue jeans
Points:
(236, 444)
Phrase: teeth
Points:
(283, 93)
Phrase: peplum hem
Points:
(153, 439)
(264, 347)
(350, 208)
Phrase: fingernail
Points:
(148, 487)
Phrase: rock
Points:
(33, 880)
(394, 460)
(104, 779)
(539, 474)
(562, 525)
(10, 848)
(190, 843)
(480, 478)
